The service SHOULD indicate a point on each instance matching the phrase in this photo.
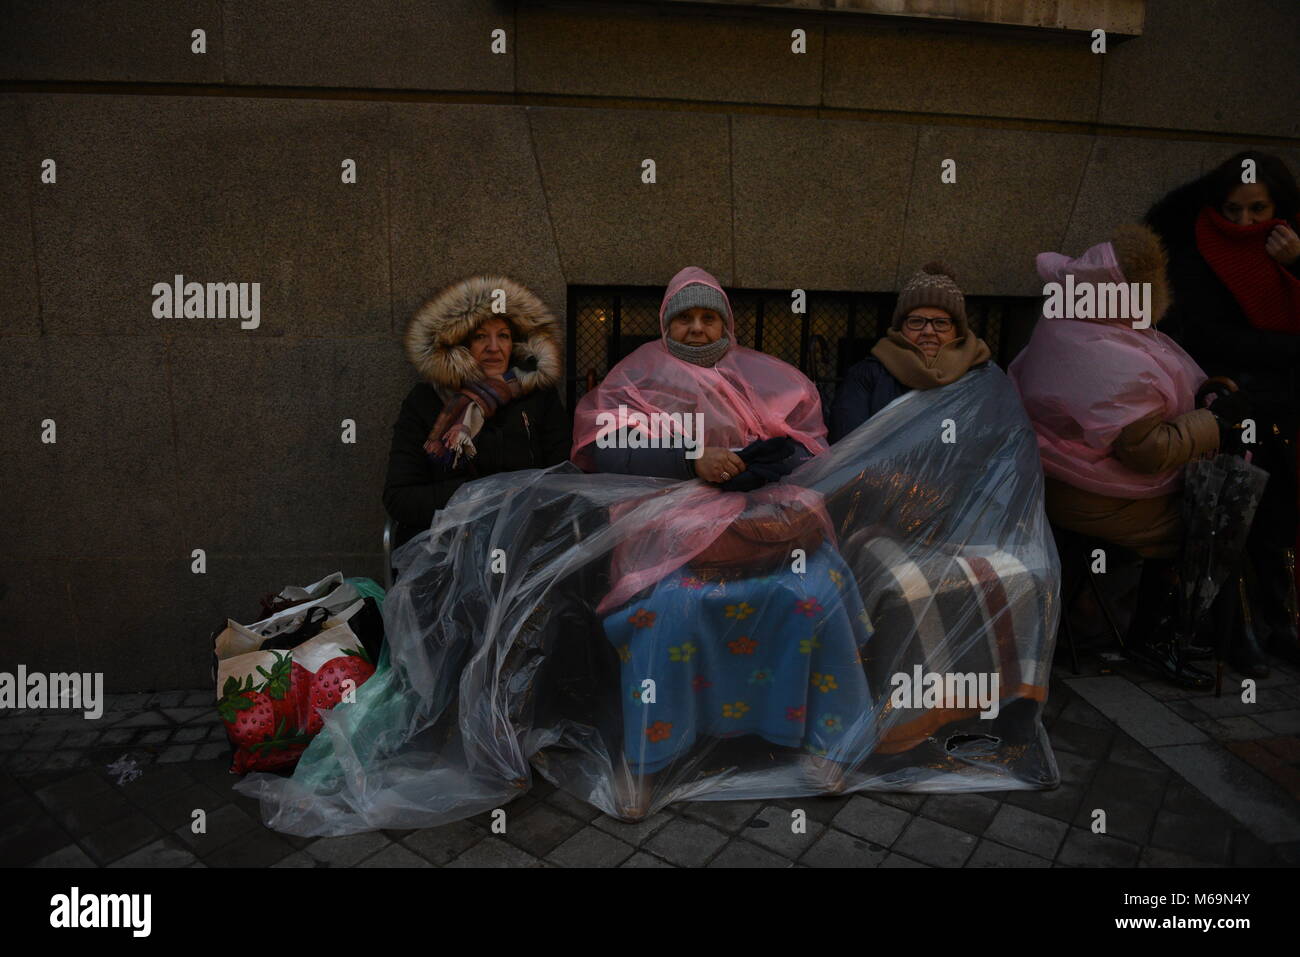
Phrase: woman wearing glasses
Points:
(929, 344)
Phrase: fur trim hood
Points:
(1133, 254)
(437, 333)
(1142, 258)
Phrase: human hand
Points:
(1230, 407)
(1283, 244)
(718, 465)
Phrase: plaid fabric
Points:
(455, 427)
(950, 610)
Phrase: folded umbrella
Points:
(1219, 500)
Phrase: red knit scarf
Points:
(1266, 292)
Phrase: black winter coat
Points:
(1206, 319)
(532, 432)
(867, 388)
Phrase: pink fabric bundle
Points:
(1084, 380)
(747, 395)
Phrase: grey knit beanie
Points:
(692, 295)
(932, 285)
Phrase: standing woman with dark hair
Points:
(1234, 265)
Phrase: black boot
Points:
(1153, 637)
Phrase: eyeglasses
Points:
(917, 323)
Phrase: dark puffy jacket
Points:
(532, 432)
(867, 388)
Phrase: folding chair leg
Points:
(1069, 640)
(1105, 611)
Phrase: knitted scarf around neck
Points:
(699, 355)
(1267, 293)
(452, 435)
(908, 364)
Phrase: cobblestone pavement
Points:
(1186, 780)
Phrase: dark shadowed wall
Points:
(774, 170)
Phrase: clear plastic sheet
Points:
(767, 682)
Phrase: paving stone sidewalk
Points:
(70, 795)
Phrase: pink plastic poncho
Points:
(745, 396)
(1084, 380)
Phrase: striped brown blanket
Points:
(963, 614)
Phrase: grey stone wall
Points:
(774, 171)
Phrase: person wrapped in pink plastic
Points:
(736, 606)
(1112, 401)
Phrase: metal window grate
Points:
(606, 323)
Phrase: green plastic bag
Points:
(369, 588)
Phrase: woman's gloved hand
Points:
(766, 460)
(1229, 409)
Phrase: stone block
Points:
(119, 41)
(934, 843)
(289, 486)
(394, 855)
(611, 228)
(468, 199)
(118, 838)
(1014, 191)
(633, 833)
(70, 856)
(777, 834)
(1240, 56)
(1234, 786)
(441, 845)
(871, 821)
(1027, 831)
(1082, 848)
(966, 812)
(20, 309)
(728, 816)
(217, 190)
(1026, 74)
(1124, 176)
(603, 50)
(164, 852)
(819, 204)
(642, 859)
(837, 849)
(744, 854)
(992, 854)
(540, 829)
(494, 852)
(686, 843)
(391, 44)
(106, 486)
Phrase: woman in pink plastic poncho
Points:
(1113, 404)
(733, 616)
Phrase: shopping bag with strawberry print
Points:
(271, 700)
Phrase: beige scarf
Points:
(908, 364)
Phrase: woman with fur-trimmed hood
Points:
(1114, 408)
(488, 402)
